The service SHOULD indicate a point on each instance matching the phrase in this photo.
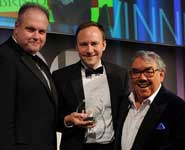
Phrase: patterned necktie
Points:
(39, 62)
(43, 67)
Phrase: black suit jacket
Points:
(69, 86)
(27, 106)
(163, 127)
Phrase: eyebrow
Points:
(92, 42)
(143, 69)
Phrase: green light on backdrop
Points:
(7, 6)
(95, 12)
(101, 3)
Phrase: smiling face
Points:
(30, 32)
(90, 45)
(143, 86)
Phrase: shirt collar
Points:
(14, 39)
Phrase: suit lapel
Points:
(152, 117)
(76, 82)
(31, 65)
(123, 111)
(113, 92)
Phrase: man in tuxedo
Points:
(28, 97)
(153, 119)
(89, 85)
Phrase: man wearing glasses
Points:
(154, 118)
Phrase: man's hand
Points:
(79, 119)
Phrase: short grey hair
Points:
(148, 56)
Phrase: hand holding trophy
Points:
(81, 108)
(95, 109)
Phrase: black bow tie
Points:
(89, 72)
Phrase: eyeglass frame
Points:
(145, 73)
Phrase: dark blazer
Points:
(163, 127)
(69, 86)
(27, 106)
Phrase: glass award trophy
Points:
(94, 109)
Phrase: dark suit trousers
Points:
(98, 146)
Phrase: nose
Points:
(142, 76)
(90, 48)
(36, 35)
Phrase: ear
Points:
(16, 27)
(104, 45)
(162, 75)
(17, 24)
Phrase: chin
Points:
(145, 94)
(33, 51)
(90, 63)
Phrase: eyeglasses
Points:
(148, 72)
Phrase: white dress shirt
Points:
(96, 92)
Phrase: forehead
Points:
(90, 32)
(35, 17)
(142, 63)
(34, 13)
